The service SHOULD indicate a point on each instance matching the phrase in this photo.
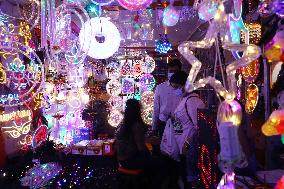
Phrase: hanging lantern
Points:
(163, 45)
(251, 71)
(135, 4)
(251, 98)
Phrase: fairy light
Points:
(3, 76)
(251, 98)
(254, 32)
(251, 71)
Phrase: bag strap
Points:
(189, 117)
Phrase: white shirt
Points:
(165, 103)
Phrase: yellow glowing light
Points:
(274, 53)
(251, 98)
(251, 71)
(25, 32)
(272, 126)
(12, 115)
(3, 77)
(254, 32)
(230, 112)
(16, 132)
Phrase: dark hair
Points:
(175, 62)
(132, 115)
(179, 77)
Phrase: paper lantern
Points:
(170, 16)
(99, 38)
(147, 98)
(147, 82)
(135, 4)
(251, 98)
(274, 53)
(251, 71)
(137, 69)
(113, 87)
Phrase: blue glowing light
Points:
(163, 45)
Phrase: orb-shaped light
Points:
(135, 4)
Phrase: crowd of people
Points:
(171, 165)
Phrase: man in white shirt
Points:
(166, 99)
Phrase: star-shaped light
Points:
(219, 25)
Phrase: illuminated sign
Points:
(12, 115)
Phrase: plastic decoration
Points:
(251, 98)
(106, 38)
(112, 70)
(163, 45)
(170, 16)
(113, 87)
(278, 7)
(115, 118)
(147, 82)
(275, 124)
(148, 65)
(135, 4)
(220, 25)
(40, 175)
(230, 112)
(251, 71)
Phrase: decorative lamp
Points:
(147, 82)
(163, 45)
(230, 111)
(99, 38)
(274, 53)
(251, 71)
(170, 16)
(135, 4)
(278, 7)
(254, 32)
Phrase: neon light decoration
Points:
(135, 4)
(251, 98)
(40, 135)
(106, 35)
(147, 82)
(12, 115)
(18, 128)
(170, 16)
(3, 77)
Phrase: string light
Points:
(251, 98)
(254, 32)
(251, 71)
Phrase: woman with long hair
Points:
(130, 140)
